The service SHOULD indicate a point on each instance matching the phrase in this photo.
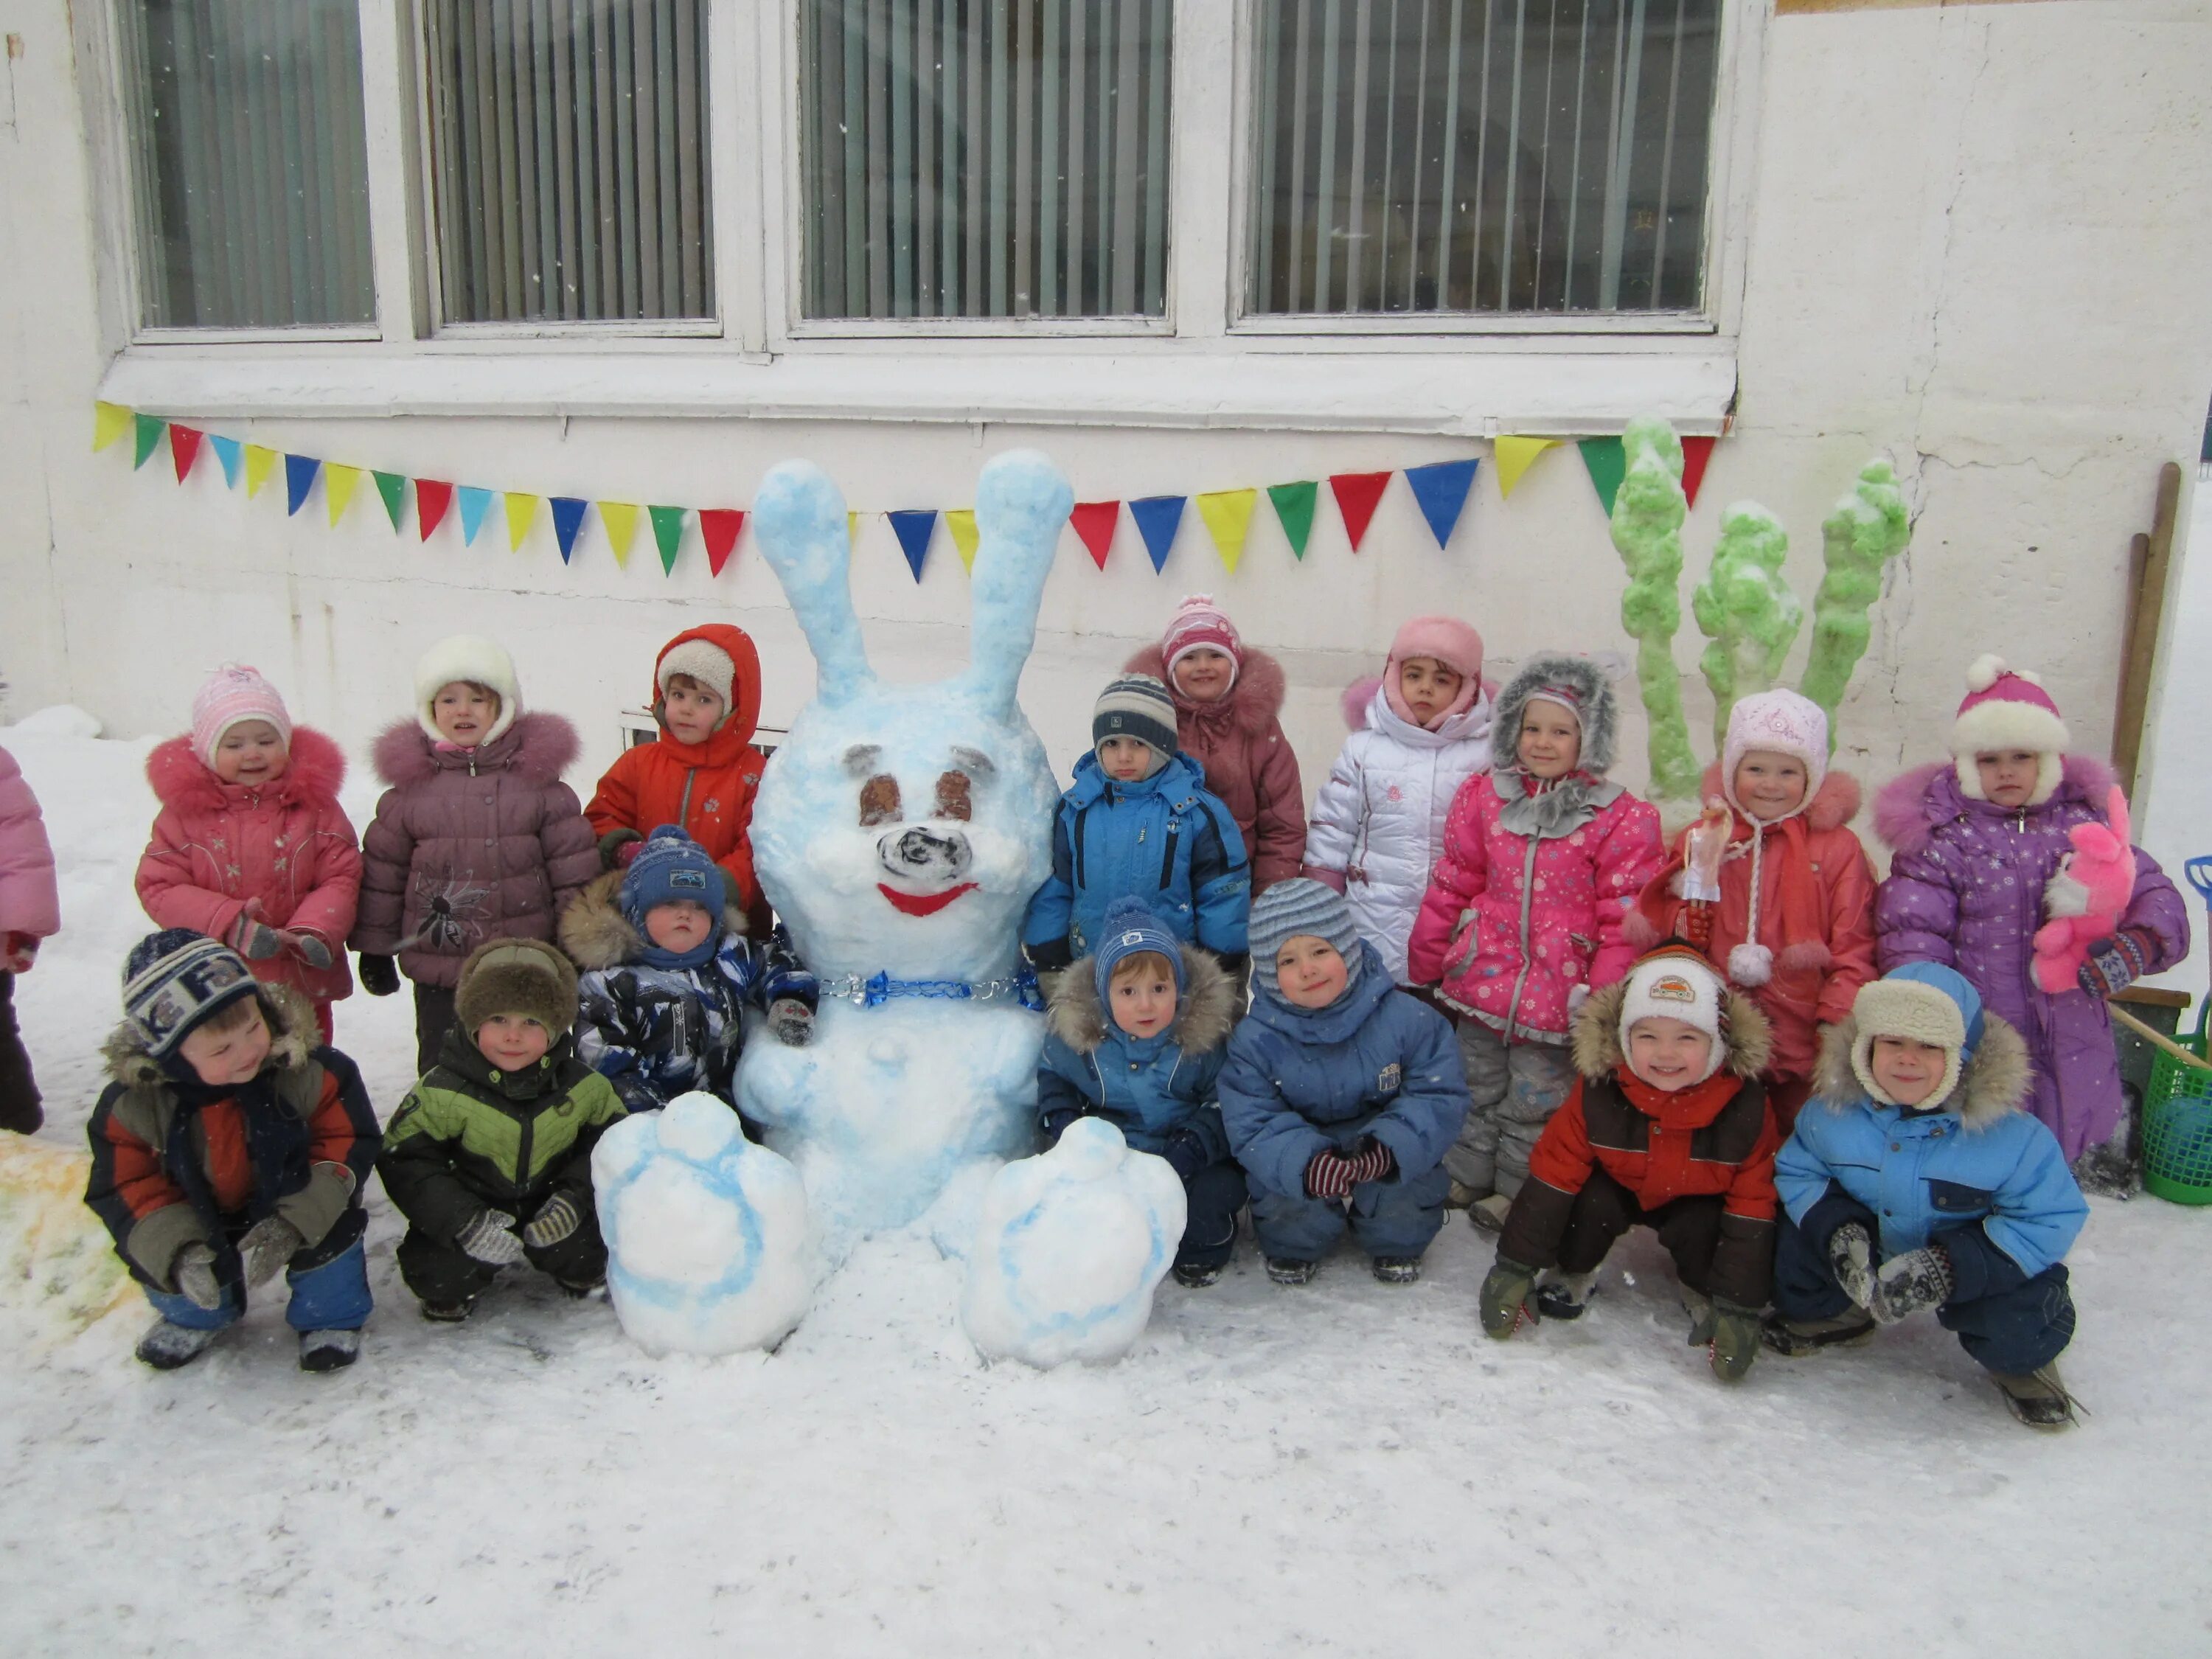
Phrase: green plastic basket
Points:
(2177, 1124)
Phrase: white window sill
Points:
(1540, 386)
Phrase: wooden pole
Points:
(2157, 1039)
(2151, 558)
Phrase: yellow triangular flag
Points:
(852, 530)
(1515, 457)
(338, 484)
(621, 519)
(521, 510)
(961, 521)
(259, 463)
(1228, 515)
(109, 422)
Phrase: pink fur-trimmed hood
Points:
(538, 748)
(1908, 808)
(313, 776)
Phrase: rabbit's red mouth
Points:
(923, 904)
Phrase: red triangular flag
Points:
(1356, 495)
(183, 447)
(1094, 523)
(1696, 451)
(718, 527)
(431, 501)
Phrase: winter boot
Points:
(166, 1347)
(1563, 1296)
(1699, 1307)
(1283, 1270)
(1459, 1195)
(1397, 1269)
(1197, 1275)
(2039, 1399)
(328, 1351)
(1796, 1339)
(448, 1313)
(1488, 1214)
(577, 1289)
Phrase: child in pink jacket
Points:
(30, 910)
(251, 847)
(1543, 861)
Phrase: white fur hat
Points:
(472, 658)
(2006, 708)
(704, 661)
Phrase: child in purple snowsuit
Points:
(1976, 840)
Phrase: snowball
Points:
(707, 1239)
(1071, 1246)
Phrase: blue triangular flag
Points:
(298, 479)
(1441, 489)
(1158, 518)
(567, 520)
(475, 503)
(914, 531)
(230, 452)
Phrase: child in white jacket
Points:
(1418, 733)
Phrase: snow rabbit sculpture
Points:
(900, 831)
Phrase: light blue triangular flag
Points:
(232, 454)
(475, 503)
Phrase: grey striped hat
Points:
(1135, 706)
(1295, 907)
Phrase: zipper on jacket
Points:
(684, 808)
(1527, 960)
(1081, 812)
(522, 1158)
(1168, 853)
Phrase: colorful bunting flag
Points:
(393, 487)
(1355, 494)
(1094, 523)
(432, 498)
(667, 535)
(1158, 518)
(260, 463)
(1294, 510)
(1608, 464)
(109, 422)
(718, 527)
(146, 435)
(852, 530)
(475, 503)
(1515, 457)
(1440, 490)
(620, 520)
(913, 529)
(567, 520)
(1696, 453)
(961, 521)
(298, 479)
(521, 512)
(1228, 516)
(183, 447)
(229, 452)
(338, 485)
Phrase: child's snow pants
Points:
(1513, 1089)
(1393, 1218)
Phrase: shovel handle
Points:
(2158, 1039)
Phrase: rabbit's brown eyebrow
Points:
(974, 761)
(861, 759)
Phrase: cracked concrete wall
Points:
(1978, 241)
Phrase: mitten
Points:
(1851, 1255)
(1907, 1283)
(1505, 1299)
(618, 846)
(379, 975)
(552, 1223)
(1735, 1343)
(18, 952)
(254, 938)
(791, 1021)
(194, 1269)
(1185, 1152)
(267, 1246)
(1370, 1160)
(626, 852)
(485, 1236)
(1328, 1175)
(309, 947)
(2116, 963)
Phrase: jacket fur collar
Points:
(538, 748)
(1911, 806)
(597, 936)
(292, 1036)
(1203, 1016)
(312, 777)
(1254, 703)
(1991, 1084)
(1597, 1050)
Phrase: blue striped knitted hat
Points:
(1291, 909)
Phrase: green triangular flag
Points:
(1607, 465)
(1294, 507)
(148, 436)
(668, 534)
(394, 487)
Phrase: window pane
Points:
(1481, 156)
(984, 158)
(250, 194)
(569, 142)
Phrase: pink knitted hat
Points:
(234, 694)
(1198, 624)
(1452, 643)
(1781, 723)
(2007, 709)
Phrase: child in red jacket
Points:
(702, 771)
(1667, 1129)
(251, 847)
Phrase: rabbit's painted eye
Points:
(952, 801)
(879, 800)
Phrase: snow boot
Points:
(1563, 1296)
(577, 1289)
(1197, 1275)
(1796, 1339)
(166, 1347)
(1699, 1307)
(448, 1313)
(328, 1351)
(1283, 1270)
(1488, 1214)
(2039, 1399)
(1459, 1195)
(1397, 1269)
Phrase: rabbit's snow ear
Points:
(2116, 814)
(1021, 502)
(800, 525)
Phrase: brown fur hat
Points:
(525, 977)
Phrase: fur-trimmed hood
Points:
(1204, 1014)
(1254, 702)
(312, 776)
(1911, 806)
(1598, 1053)
(537, 748)
(292, 1036)
(1992, 1084)
(1600, 710)
(1834, 804)
(597, 936)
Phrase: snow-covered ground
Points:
(1347, 1467)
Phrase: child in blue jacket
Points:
(1139, 823)
(1136, 1035)
(1914, 1179)
(1341, 1093)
